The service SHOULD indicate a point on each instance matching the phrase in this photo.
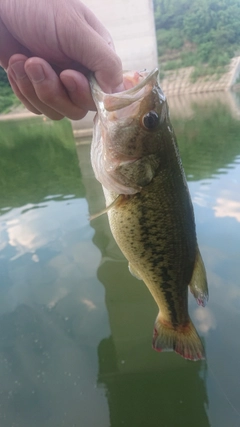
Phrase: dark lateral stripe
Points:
(157, 257)
(170, 303)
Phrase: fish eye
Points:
(150, 120)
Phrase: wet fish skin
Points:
(126, 143)
(154, 223)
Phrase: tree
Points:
(210, 27)
(3, 78)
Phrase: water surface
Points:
(75, 326)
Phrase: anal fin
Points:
(198, 285)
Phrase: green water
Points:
(75, 326)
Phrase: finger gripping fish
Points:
(135, 157)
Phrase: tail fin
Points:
(184, 340)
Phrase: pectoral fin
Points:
(198, 285)
(115, 203)
(133, 272)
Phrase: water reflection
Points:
(214, 186)
(208, 140)
(50, 303)
(37, 160)
(75, 326)
(143, 388)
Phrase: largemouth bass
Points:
(135, 157)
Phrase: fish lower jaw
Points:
(116, 189)
(111, 165)
(129, 161)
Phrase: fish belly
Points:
(156, 232)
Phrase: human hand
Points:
(48, 49)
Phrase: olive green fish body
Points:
(156, 232)
(136, 158)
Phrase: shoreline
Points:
(18, 115)
(174, 84)
(180, 105)
(178, 82)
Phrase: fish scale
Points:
(148, 204)
(155, 254)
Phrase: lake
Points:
(75, 326)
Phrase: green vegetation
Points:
(37, 158)
(210, 139)
(3, 79)
(202, 33)
(7, 97)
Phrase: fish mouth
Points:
(152, 75)
(118, 100)
(144, 81)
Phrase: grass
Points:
(7, 100)
(200, 70)
(205, 71)
(217, 64)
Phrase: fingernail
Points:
(35, 73)
(69, 84)
(18, 69)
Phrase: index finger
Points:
(9, 46)
(92, 46)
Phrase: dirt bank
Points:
(177, 82)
